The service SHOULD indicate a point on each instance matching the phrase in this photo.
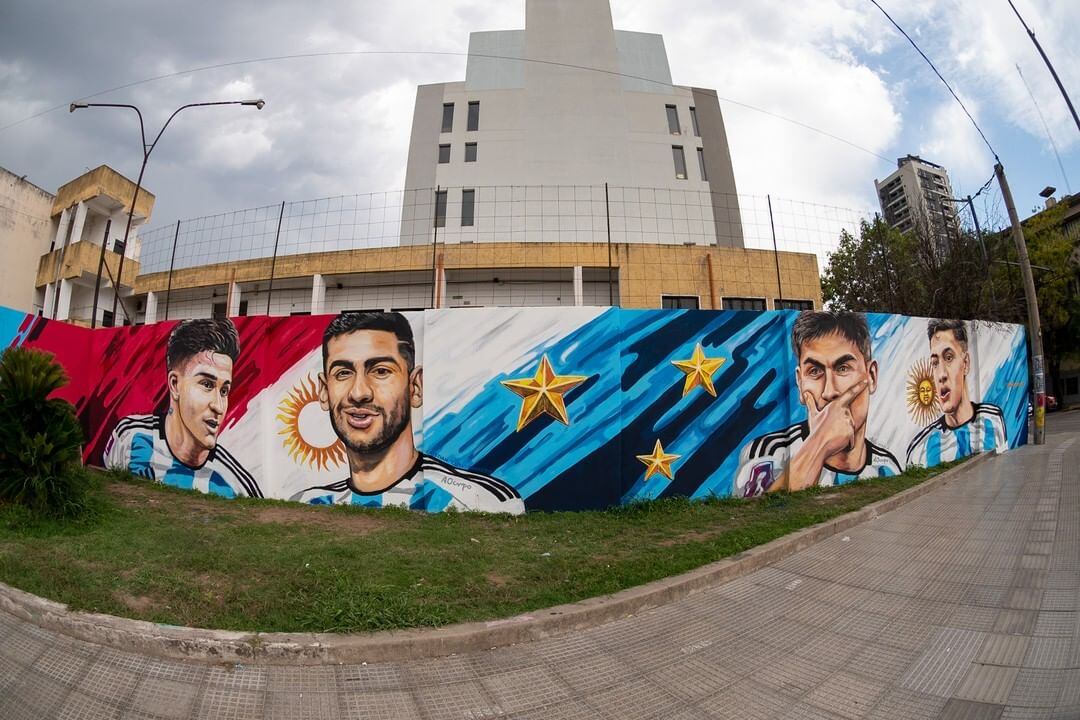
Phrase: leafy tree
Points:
(883, 270)
(40, 438)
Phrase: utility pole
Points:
(1038, 362)
(1048, 65)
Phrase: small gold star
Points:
(699, 371)
(659, 462)
(543, 393)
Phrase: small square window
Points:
(793, 304)
(448, 117)
(680, 161)
(473, 122)
(444, 154)
(679, 302)
(107, 318)
(468, 202)
(757, 304)
(673, 120)
(470, 152)
(118, 246)
(440, 208)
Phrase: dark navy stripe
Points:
(245, 478)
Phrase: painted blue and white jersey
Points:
(431, 485)
(938, 443)
(766, 458)
(138, 444)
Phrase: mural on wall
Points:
(508, 409)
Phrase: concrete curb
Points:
(174, 642)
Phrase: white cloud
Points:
(952, 141)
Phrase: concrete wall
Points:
(643, 273)
(521, 409)
(25, 233)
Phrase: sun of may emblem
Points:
(922, 401)
(309, 438)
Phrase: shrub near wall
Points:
(40, 438)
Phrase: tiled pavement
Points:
(962, 604)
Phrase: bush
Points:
(40, 438)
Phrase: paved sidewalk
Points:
(961, 604)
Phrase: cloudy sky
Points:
(337, 125)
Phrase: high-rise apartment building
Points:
(918, 197)
(566, 104)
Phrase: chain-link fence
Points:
(505, 245)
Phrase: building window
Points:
(468, 200)
(679, 302)
(470, 152)
(118, 246)
(673, 119)
(444, 154)
(744, 304)
(701, 164)
(295, 313)
(693, 121)
(219, 311)
(107, 318)
(680, 161)
(440, 208)
(793, 304)
(474, 116)
(448, 117)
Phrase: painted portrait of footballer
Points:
(965, 427)
(836, 376)
(180, 448)
(369, 385)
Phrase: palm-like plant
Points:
(40, 438)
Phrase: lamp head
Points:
(259, 103)
(76, 106)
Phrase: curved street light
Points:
(258, 104)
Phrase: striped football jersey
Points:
(431, 485)
(138, 444)
(765, 459)
(938, 443)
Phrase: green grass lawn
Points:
(154, 553)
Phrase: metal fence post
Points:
(607, 214)
(172, 262)
(97, 282)
(273, 260)
(434, 244)
(776, 255)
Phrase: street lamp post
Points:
(146, 150)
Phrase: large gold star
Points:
(659, 462)
(543, 393)
(699, 371)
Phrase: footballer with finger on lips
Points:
(836, 376)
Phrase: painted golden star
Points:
(699, 371)
(543, 393)
(659, 462)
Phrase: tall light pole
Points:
(146, 150)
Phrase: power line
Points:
(1046, 127)
(942, 79)
(346, 53)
